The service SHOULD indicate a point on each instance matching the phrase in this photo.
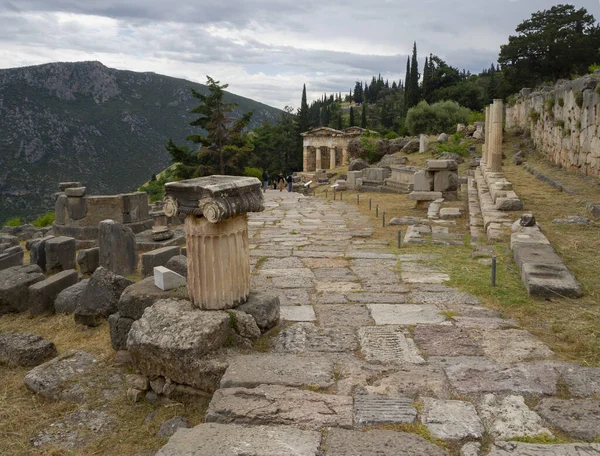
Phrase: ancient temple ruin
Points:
(326, 148)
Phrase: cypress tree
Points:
(407, 81)
(352, 122)
(413, 90)
(363, 116)
(303, 120)
(426, 77)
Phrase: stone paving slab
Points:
(306, 337)
(291, 296)
(329, 298)
(249, 371)
(418, 277)
(343, 315)
(297, 313)
(443, 297)
(445, 341)
(411, 380)
(405, 314)
(315, 263)
(287, 273)
(337, 287)
(275, 404)
(371, 298)
(341, 442)
(482, 323)
(376, 276)
(373, 410)
(513, 346)
(451, 419)
(387, 344)
(582, 381)
(213, 439)
(530, 449)
(335, 274)
(578, 418)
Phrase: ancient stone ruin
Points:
(326, 148)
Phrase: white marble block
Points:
(165, 279)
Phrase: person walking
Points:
(281, 181)
(265, 177)
(290, 180)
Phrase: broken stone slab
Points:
(509, 417)
(343, 315)
(306, 338)
(501, 448)
(408, 221)
(14, 287)
(172, 338)
(166, 280)
(435, 340)
(249, 371)
(140, 295)
(297, 313)
(88, 260)
(513, 346)
(178, 264)
(169, 427)
(227, 440)
(157, 257)
(578, 418)
(550, 281)
(387, 344)
(60, 254)
(572, 220)
(24, 349)
(411, 380)
(276, 404)
(117, 248)
(119, 328)
(62, 186)
(43, 294)
(451, 419)
(342, 442)
(476, 378)
(441, 165)
(582, 381)
(445, 181)
(75, 191)
(450, 212)
(264, 308)
(37, 253)
(55, 379)
(424, 196)
(374, 410)
(100, 297)
(407, 314)
(215, 197)
(12, 256)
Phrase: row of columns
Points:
(318, 158)
(492, 148)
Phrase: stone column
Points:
(344, 156)
(305, 159)
(318, 158)
(486, 144)
(332, 158)
(216, 234)
(495, 151)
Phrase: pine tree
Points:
(352, 123)
(363, 116)
(303, 119)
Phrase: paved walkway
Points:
(375, 341)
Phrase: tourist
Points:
(281, 181)
(265, 177)
(290, 180)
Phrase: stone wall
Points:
(564, 121)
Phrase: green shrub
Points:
(512, 100)
(534, 115)
(15, 221)
(593, 67)
(475, 116)
(579, 98)
(578, 124)
(44, 220)
(253, 172)
(550, 107)
(456, 144)
(391, 135)
(561, 102)
(436, 118)
(559, 123)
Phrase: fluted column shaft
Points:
(305, 159)
(318, 159)
(496, 136)
(344, 156)
(218, 258)
(332, 158)
(486, 145)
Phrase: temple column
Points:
(216, 236)
(331, 157)
(495, 151)
(318, 159)
(305, 159)
(344, 156)
(486, 144)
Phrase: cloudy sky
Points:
(264, 49)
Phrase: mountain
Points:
(85, 122)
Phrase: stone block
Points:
(351, 179)
(449, 213)
(501, 448)
(423, 181)
(118, 250)
(387, 344)
(298, 313)
(60, 254)
(434, 165)
(423, 143)
(509, 204)
(14, 287)
(578, 418)
(42, 294)
(376, 175)
(67, 300)
(406, 314)
(165, 279)
(138, 296)
(37, 253)
(158, 257)
(535, 253)
(264, 308)
(224, 440)
(375, 410)
(549, 281)
(75, 191)
(88, 260)
(23, 349)
(451, 419)
(62, 186)
(445, 181)
(12, 256)
(119, 330)
(178, 264)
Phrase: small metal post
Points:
(377, 211)
(383, 218)
(399, 238)
(326, 191)
(369, 203)
(493, 271)
(334, 194)
(341, 196)
(357, 199)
